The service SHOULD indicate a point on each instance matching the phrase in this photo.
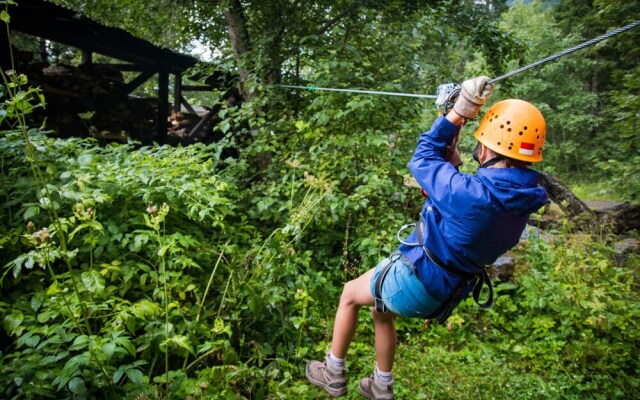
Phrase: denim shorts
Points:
(402, 290)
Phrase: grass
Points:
(594, 190)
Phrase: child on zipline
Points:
(467, 222)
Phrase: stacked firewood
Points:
(180, 124)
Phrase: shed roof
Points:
(59, 24)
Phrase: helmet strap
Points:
(474, 154)
(493, 161)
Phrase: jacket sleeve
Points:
(436, 176)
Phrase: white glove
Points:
(473, 94)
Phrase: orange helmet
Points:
(515, 129)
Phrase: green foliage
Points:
(159, 272)
(565, 328)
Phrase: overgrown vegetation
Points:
(159, 272)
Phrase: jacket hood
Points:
(517, 190)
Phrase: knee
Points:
(382, 317)
(348, 296)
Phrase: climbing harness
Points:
(467, 283)
(492, 81)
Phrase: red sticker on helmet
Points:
(527, 148)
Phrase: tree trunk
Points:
(619, 218)
(239, 37)
(561, 195)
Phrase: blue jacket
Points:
(470, 219)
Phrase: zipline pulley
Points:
(447, 94)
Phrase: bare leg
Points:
(355, 294)
(385, 339)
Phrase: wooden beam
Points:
(188, 106)
(163, 103)
(197, 88)
(122, 67)
(137, 81)
(196, 129)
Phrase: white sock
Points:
(337, 362)
(385, 377)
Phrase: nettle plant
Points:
(101, 274)
(139, 271)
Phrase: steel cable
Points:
(314, 88)
(492, 81)
(567, 51)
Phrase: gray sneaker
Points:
(327, 377)
(374, 389)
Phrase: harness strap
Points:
(481, 277)
(380, 306)
(389, 261)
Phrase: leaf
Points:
(182, 342)
(80, 342)
(93, 281)
(53, 289)
(108, 349)
(31, 341)
(13, 321)
(117, 375)
(136, 376)
(44, 317)
(220, 327)
(145, 309)
(85, 159)
(126, 343)
(37, 300)
(31, 211)
(77, 386)
(5, 16)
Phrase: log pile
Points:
(90, 101)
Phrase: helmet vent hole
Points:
(521, 133)
(510, 147)
(538, 137)
(525, 128)
(501, 126)
(536, 130)
(508, 129)
(498, 143)
(508, 122)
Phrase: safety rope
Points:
(314, 88)
(492, 81)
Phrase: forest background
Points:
(179, 272)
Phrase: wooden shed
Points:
(52, 22)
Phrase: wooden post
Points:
(87, 57)
(177, 92)
(163, 103)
